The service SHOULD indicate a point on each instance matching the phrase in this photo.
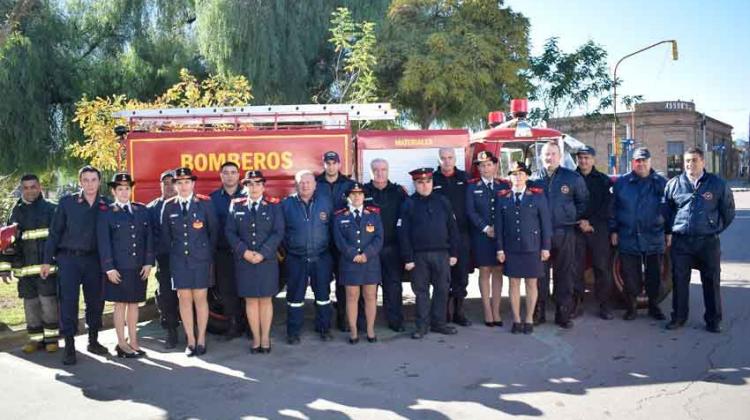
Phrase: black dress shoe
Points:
(516, 328)
(656, 313)
(564, 323)
(373, 339)
(713, 327)
(200, 350)
(443, 329)
(418, 334)
(125, 354)
(69, 355)
(497, 323)
(190, 351)
(256, 350)
(326, 335)
(353, 340)
(675, 324)
(528, 328)
(140, 352)
(629, 315)
(293, 340)
(606, 314)
(171, 341)
(399, 328)
(489, 324)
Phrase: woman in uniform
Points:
(125, 242)
(358, 233)
(254, 229)
(190, 229)
(481, 195)
(523, 227)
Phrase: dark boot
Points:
(655, 312)
(631, 311)
(459, 317)
(171, 340)
(233, 331)
(94, 346)
(562, 317)
(540, 313)
(69, 356)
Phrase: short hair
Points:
(29, 177)
(298, 176)
(694, 151)
(378, 160)
(89, 168)
(229, 163)
(552, 143)
(446, 149)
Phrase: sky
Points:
(713, 38)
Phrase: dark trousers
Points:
(226, 283)
(431, 268)
(166, 297)
(596, 243)
(632, 269)
(460, 271)
(704, 254)
(564, 267)
(74, 272)
(317, 272)
(391, 272)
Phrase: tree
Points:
(102, 148)
(451, 61)
(564, 82)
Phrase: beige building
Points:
(667, 129)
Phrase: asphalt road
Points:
(599, 369)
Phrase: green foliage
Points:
(564, 82)
(450, 61)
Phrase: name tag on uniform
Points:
(398, 223)
(437, 187)
(240, 213)
(173, 215)
(370, 198)
(460, 183)
(478, 192)
(344, 221)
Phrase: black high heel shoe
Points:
(354, 340)
(200, 349)
(373, 339)
(190, 351)
(265, 350)
(124, 354)
(256, 350)
(497, 323)
(489, 324)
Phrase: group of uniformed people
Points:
(534, 226)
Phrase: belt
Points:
(76, 252)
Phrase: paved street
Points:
(599, 369)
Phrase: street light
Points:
(614, 92)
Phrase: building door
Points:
(675, 150)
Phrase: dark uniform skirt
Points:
(524, 265)
(131, 288)
(484, 250)
(368, 273)
(197, 276)
(257, 280)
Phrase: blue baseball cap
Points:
(586, 150)
(641, 153)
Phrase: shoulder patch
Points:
(272, 200)
(504, 193)
(374, 209)
(171, 199)
(503, 181)
(536, 190)
(138, 204)
(202, 197)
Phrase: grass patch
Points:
(11, 306)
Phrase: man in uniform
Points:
(429, 240)
(307, 240)
(72, 243)
(33, 214)
(166, 297)
(567, 196)
(389, 197)
(451, 182)
(638, 231)
(701, 206)
(592, 235)
(333, 185)
(224, 260)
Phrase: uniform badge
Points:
(564, 189)
(370, 228)
(198, 224)
(708, 196)
(323, 216)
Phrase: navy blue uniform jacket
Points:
(640, 213)
(353, 239)
(74, 225)
(707, 210)
(427, 224)
(524, 228)
(566, 193)
(308, 226)
(126, 241)
(262, 232)
(192, 238)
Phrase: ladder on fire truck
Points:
(259, 116)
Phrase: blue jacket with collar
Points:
(308, 226)
(707, 210)
(566, 193)
(639, 213)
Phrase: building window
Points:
(675, 150)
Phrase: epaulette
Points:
(239, 200)
(474, 180)
(504, 193)
(503, 181)
(374, 209)
(272, 200)
(536, 190)
(202, 197)
(343, 210)
(138, 204)
(170, 199)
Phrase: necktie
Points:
(254, 209)
(357, 217)
(518, 199)
(184, 208)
